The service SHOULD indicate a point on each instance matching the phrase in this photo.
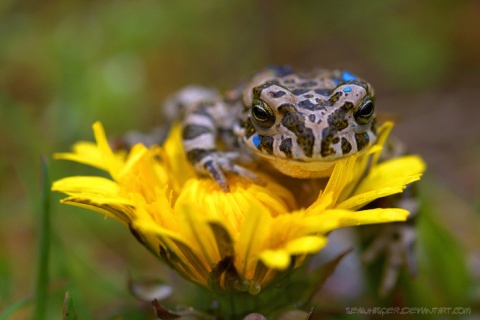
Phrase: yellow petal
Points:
(176, 161)
(86, 153)
(112, 162)
(340, 218)
(81, 184)
(275, 259)
(139, 176)
(357, 201)
(407, 168)
(306, 245)
(341, 176)
(383, 133)
(114, 207)
(281, 258)
(198, 234)
(365, 161)
(385, 179)
(180, 253)
(252, 238)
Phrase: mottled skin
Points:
(300, 123)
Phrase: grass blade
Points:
(41, 290)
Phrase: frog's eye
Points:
(365, 111)
(262, 114)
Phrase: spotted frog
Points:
(301, 123)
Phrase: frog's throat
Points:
(299, 168)
(303, 169)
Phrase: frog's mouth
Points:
(300, 153)
(300, 160)
(313, 167)
(299, 167)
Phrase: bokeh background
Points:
(66, 64)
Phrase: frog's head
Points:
(303, 124)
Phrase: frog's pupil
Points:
(367, 109)
(260, 113)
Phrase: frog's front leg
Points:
(395, 242)
(200, 133)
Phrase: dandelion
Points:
(237, 241)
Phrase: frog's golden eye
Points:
(365, 111)
(262, 114)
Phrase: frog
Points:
(299, 123)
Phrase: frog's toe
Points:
(216, 165)
(215, 171)
(231, 167)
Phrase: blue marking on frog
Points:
(256, 141)
(347, 76)
(347, 89)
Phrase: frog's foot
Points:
(217, 164)
(395, 242)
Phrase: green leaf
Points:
(443, 277)
(68, 309)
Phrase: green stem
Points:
(41, 292)
(236, 305)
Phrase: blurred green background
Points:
(66, 64)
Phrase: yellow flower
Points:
(236, 241)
